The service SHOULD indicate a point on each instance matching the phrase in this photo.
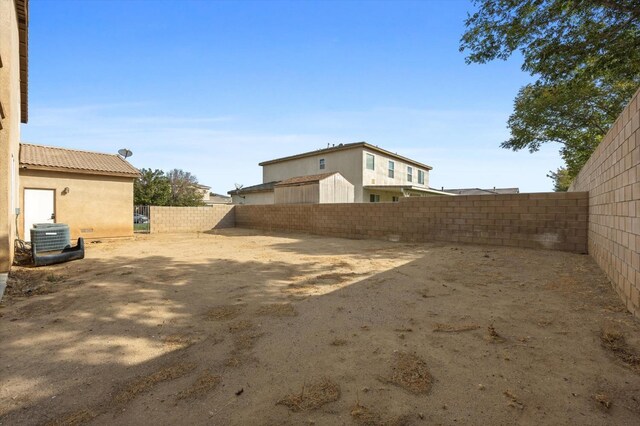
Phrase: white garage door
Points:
(38, 208)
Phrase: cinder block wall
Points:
(190, 219)
(612, 178)
(555, 221)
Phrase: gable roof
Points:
(301, 180)
(40, 157)
(346, 146)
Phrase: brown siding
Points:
(548, 220)
(612, 178)
(190, 219)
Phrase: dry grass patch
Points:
(454, 328)
(145, 383)
(277, 310)
(410, 373)
(244, 339)
(203, 385)
(28, 282)
(336, 277)
(603, 400)
(73, 419)
(318, 394)
(365, 417)
(513, 400)
(240, 326)
(224, 312)
(493, 336)
(615, 342)
(178, 340)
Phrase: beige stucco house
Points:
(377, 175)
(91, 192)
(14, 17)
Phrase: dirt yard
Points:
(240, 328)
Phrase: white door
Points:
(38, 208)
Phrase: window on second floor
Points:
(371, 162)
(374, 198)
(321, 163)
(392, 167)
(409, 174)
(421, 177)
(395, 199)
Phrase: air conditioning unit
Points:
(55, 239)
(50, 237)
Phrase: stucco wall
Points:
(10, 131)
(190, 219)
(556, 221)
(95, 207)
(612, 177)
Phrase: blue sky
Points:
(215, 87)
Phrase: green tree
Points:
(585, 56)
(152, 188)
(184, 191)
(561, 179)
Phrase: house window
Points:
(374, 198)
(421, 177)
(392, 167)
(321, 163)
(395, 199)
(371, 162)
(409, 174)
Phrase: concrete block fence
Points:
(556, 221)
(612, 179)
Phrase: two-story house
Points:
(376, 174)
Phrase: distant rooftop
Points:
(346, 146)
(479, 191)
(263, 187)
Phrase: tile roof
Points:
(74, 161)
(305, 179)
